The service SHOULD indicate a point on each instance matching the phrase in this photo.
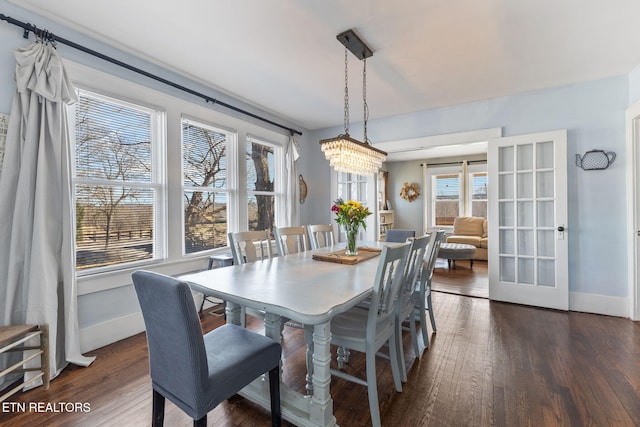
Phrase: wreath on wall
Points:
(410, 192)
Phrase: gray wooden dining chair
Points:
(399, 235)
(422, 295)
(290, 240)
(369, 330)
(250, 246)
(406, 299)
(321, 235)
(194, 371)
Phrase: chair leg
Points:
(274, 393)
(202, 422)
(423, 321)
(372, 386)
(158, 410)
(395, 362)
(399, 360)
(431, 316)
(204, 298)
(414, 337)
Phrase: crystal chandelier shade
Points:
(346, 154)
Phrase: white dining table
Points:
(302, 289)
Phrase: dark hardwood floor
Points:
(490, 364)
(461, 280)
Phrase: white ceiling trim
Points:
(444, 145)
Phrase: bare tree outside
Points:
(260, 186)
(113, 153)
(205, 181)
(263, 182)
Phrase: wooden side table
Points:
(13, 338)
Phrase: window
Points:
(160, 181)
(205, 189)
(478, 191)
(117, 182)
(261, 185)
(352, 187)
(446, 200)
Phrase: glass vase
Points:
(352, 238)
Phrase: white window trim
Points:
(174, 108)
(230, 190)
(433, 172)
(471, 170)
(157, 184)
(371, 191)
(279, 180)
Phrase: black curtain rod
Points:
(452, 163)
(52, 37)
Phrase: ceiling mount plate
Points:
(351, 41)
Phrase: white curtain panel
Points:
(37, 269)
(291, 192)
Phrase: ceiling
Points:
(283, 56)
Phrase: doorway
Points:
(461, 280)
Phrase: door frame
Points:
(633, 208)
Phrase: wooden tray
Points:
(364, 253)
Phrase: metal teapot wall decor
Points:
(595, 160)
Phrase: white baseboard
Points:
(96, 336)
(599, 304)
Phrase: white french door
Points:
(528, 219)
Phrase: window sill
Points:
(102, 281)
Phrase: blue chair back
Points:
(171, 321)
(399, 235)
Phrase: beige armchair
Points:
(471, 230)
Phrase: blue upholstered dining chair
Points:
(368, 330)
(195, 371)
(399, 235)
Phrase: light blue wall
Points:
(407, 215)
(593, 114)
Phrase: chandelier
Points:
(346, 154)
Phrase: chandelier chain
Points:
(346, 92)
(364, 98)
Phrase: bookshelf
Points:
(386, 222)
